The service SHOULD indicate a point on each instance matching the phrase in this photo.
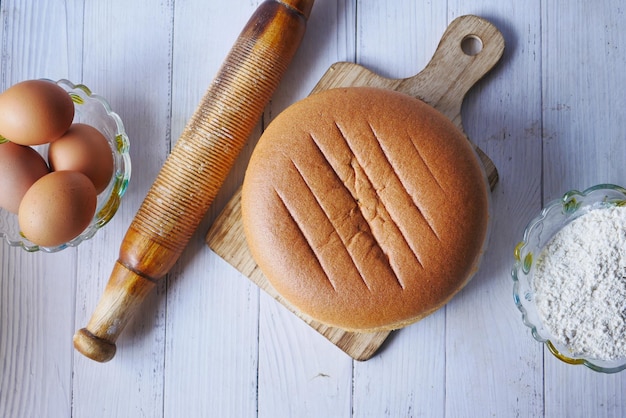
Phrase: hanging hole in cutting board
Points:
(471, 45)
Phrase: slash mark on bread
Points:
(290, 213)
(380, 211)
(345, 240)
(428, 168)
(402, 184)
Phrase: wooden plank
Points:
(408, 376)
(36, 290)
(300, 373)
(127, 59)
(495, 363)
(583, 122)
(212, 312)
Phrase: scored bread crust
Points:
(366, 209)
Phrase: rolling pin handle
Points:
(125, 292)
(93, 347)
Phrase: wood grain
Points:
(209, 342)
(443, 84)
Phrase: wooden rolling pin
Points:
(196, 168)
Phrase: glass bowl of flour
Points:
(570, 277)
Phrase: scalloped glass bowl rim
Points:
(109, 199)
(560, 212)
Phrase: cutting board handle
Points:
(469, 48)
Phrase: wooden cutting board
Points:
(469, 48)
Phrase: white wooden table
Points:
(552, 116)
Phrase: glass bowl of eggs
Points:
(569, 277)
(65, 164)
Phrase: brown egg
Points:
(83, 148)
(20, 166)
(57, 208)
(35, 112)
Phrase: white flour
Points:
(580, 285)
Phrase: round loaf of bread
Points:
(366, 209)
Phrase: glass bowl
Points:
(93, 110)
(538, 233)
